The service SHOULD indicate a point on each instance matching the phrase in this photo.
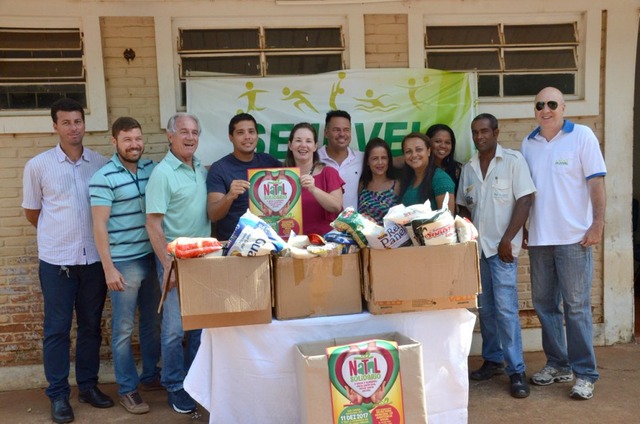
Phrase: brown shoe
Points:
(133, 403)
(151, 385)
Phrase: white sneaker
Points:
(549, 375)
(582, 390)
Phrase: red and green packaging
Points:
(366, 387)
(274, 196)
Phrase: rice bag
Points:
(393, 236)
(357, 225)
(250, 220)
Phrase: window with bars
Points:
(511, 60)
(258, 52)
(38, 66)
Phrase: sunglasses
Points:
(553, 105)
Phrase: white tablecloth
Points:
(246, 375)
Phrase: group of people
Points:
(103, 226)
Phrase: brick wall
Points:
(386, 41)
(132, 89)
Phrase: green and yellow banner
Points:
(386, 103)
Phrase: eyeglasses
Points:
(553, 105)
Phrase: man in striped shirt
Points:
(56, 202)
(118, 208)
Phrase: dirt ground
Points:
(616, 399)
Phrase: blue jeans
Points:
(499, 317)
(64, 288)
(142, 290)
(561, 279)
(176, 359)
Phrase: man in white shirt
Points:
(56, 202)
(496, 192)
(337, 154)
(567, 220)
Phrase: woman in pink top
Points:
(321, 185)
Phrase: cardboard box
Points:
(421, 278)
(317, 287)
(219, 291)
(312, 377)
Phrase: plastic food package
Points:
(393, 236)
(357, 225)
(465, 229)
(425, 227)
(251, 221)
(250, 242)
(326, 250)
(193, 247)
(439, 229)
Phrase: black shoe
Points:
(487, 370)
(519, 385)
(96, 398)
(61, 411)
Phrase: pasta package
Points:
(438, 229)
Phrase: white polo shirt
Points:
(350, 170)
(491, 200)
(560, 168)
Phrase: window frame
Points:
(169, 59)
(587, 98)
(39, 121)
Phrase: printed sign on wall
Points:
(386, 103)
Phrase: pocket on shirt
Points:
(501, 190)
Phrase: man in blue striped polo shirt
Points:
(118, 208)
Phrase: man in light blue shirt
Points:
(177, 207)
(118, 208)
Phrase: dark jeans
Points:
(64, 288)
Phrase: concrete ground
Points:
(614, 399)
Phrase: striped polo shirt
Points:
(117, 187)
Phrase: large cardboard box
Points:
(219, 291)
(315, 287)
(312, 377)
(421, 278)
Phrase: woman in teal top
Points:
(421, 178)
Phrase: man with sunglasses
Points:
(566, 220)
